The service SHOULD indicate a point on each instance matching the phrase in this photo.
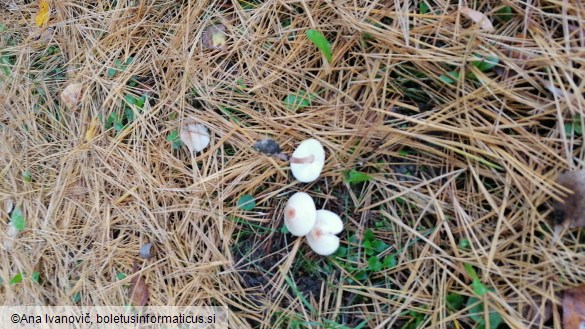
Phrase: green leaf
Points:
(246, 202)
(229, 113)
(284, 229)
(470, 271)
(76, 298)
(374, 264)
(319, 40)
(177, 145)
(476, 313)
(478, 287)
(112, 118)
(129, 115)
(111, 72)
(450, 78)
(486, 64)
(578, 129)
(361, 275)
(175, 140)
(17, 219)
(173, 136)
(121, 276)
(574, 127)
(454, 301)
(390, 261)
(3, 28)
(569, 129)
(505, 13)
(379, 245)
(140, 101)
(119, 126)
(35, 277)
(341, 252)
(356, 177)
(369, 235)
(367, 244)
(404, 153)
(130, 99)
(423, 7)
(26, 176)
(298, 101)
(16, 279)
(463, 244)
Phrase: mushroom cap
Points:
(308, 172)
(300, 214)
(195, 136)
(322, 238)
(322, 244)
(329, 221)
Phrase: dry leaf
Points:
(537, 309)
(571, 212)
(478, 18)
(214, 37)
(42, 17)
(92, 129)
(44, 35)
(574, 308)
(11, 233)
(71, 95)
(138, 292)
(267, 146)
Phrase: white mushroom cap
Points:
(195, 136)
(300, 214)
(307, 161)
(322, 238)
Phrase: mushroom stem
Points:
(308, 159)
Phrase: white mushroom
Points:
(300, 214)
(195, 136)
(322, 239)
(306, 162)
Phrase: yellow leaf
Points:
(91, 130)
(42, 17)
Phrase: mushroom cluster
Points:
(301, 218)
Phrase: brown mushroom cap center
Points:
(308, 159)
(289, 212)
(317, 233)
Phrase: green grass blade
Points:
(319, 40)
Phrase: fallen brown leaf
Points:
(571, 212)
(574, 308)
(214, 37)
(138, 292)
(267, 146)
(478, 18)
(71, 95)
